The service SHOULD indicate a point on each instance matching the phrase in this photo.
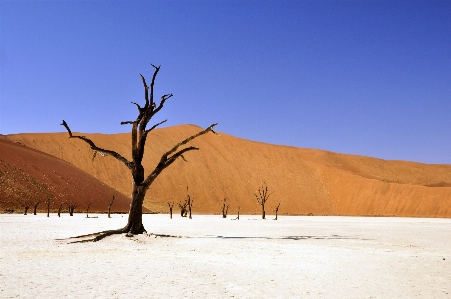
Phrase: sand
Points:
(294, 257)
(30, 176)
(303, 180)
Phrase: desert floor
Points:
(212, 257)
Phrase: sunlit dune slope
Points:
(30, 176)
(303, 180)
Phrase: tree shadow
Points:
(294, 238)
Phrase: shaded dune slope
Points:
(28, 175)
(303, 180)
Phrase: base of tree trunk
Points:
(94, 237)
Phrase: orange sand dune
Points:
(28, 175)
(303, 180)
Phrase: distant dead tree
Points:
(238, 214)
(277, 210)
(59, 209)
(25, 204)
(48, 206)
(139, 133)
(109, 207)
(71, 207)
(171, 205)
(225, 208)
(262, 197)
(189, 200)
(35, 206)
(87, 209)
(183, 209)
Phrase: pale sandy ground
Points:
(294, 257)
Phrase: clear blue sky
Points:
(371, 78)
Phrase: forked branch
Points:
(170, 156)
(96, 148)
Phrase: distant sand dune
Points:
(303, 180)
(27, 174)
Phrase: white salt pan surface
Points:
(294, 257)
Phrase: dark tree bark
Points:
(48, 207)
(171, 205)
(109, 207)
(262, 197)
(189, 200)
(26, 205)
(87, 209)
(277, 210)
(59, 209)
(71, 208)
(139, 133)
(225, 208)
(183, 209)
(35, 206)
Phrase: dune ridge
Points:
(305, 181)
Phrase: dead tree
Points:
(262, 197)
(48, 207)
(109, 207)
(71, 206)
(139, 133)
(26, 205)
(238, 214)
(59, 209)
(171, 205)
(277, 210)
(183, 209)
(225, 208)
(189, 201)
(87, 209)
(35, 206)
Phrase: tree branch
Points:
(127, 122)
(167, 159)
(96, 148)
(143, 138)
(146, 93)
(187, 140)
(157, 68)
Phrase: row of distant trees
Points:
(26, 204)
(262, 196)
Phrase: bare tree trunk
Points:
(277, 210)
(87, 209)
(135, 220)
(25, 210)
(170, 204)
(109, 207)
(35, 207)
(263, 211)
(190, 203)
(225, 209)
(238, 214)
(48, 207)
(59, 209)
(71, 207)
